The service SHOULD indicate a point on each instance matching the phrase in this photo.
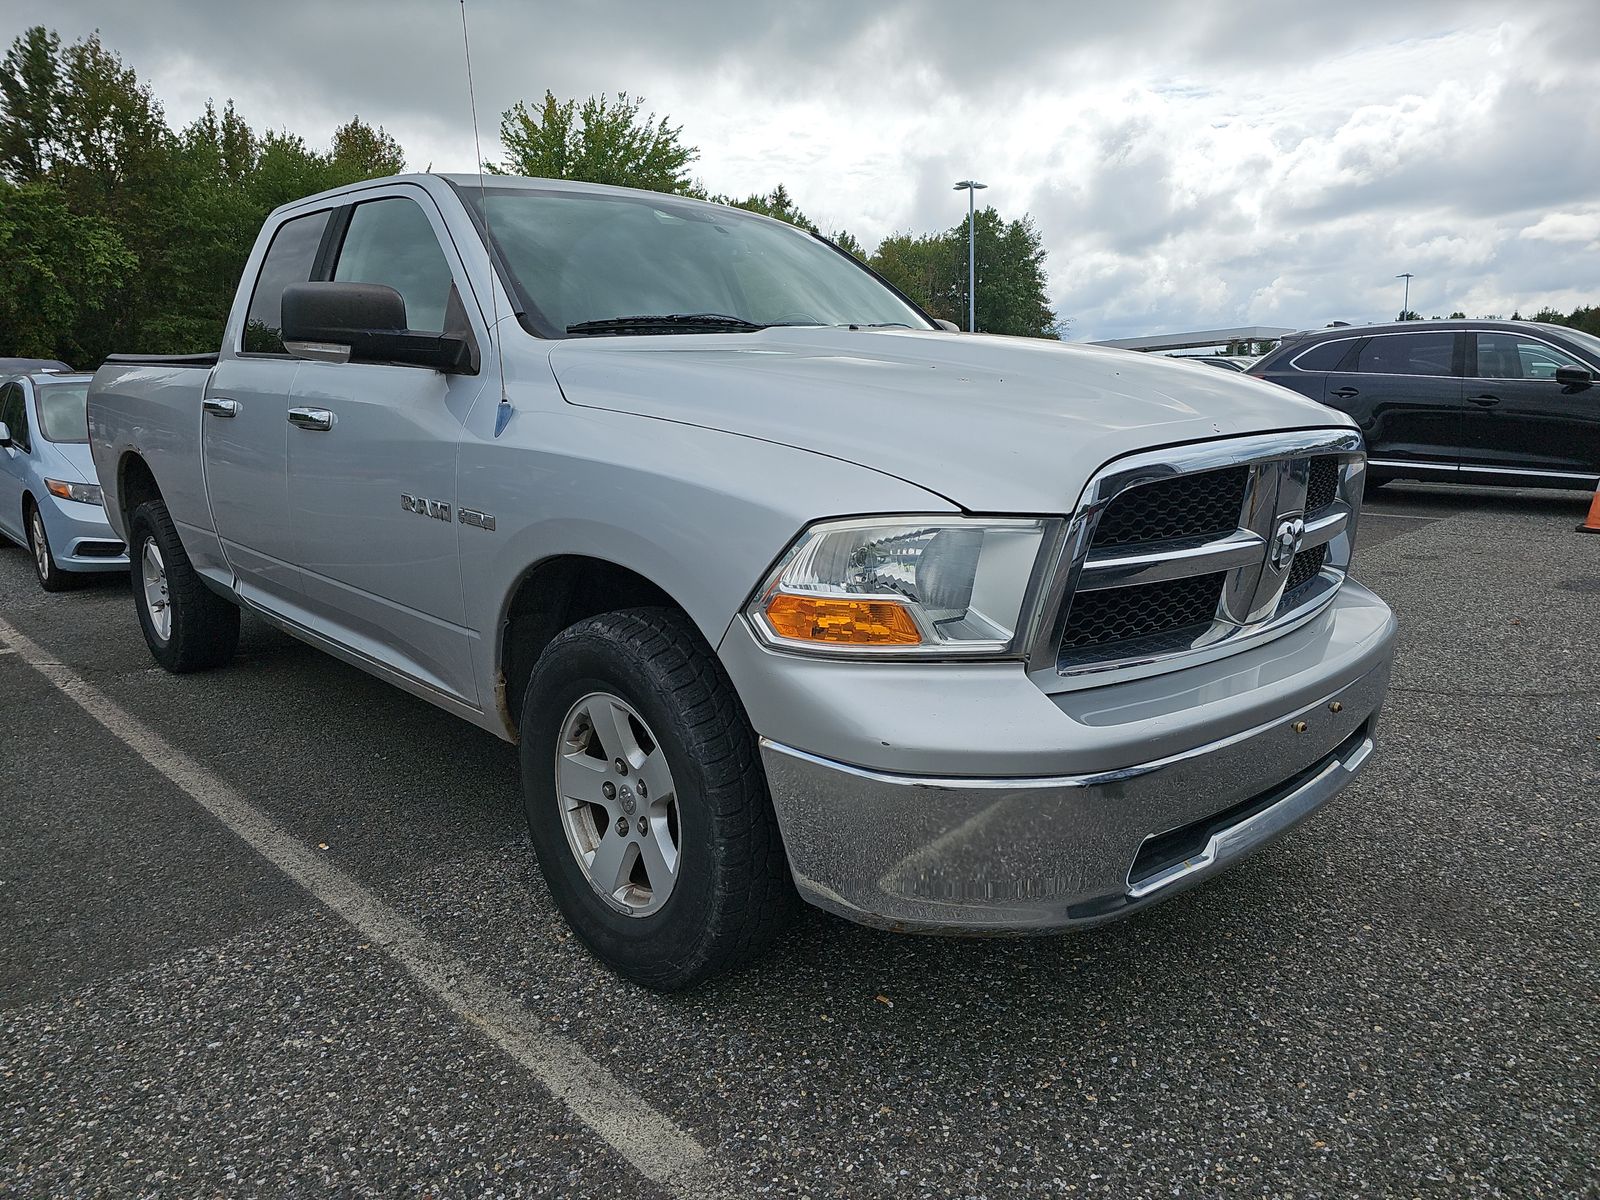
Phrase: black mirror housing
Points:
(368, 320)
(1574, 377)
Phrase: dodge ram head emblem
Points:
(1286, 542)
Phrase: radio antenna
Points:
(503, 411)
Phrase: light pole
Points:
(1405, 305)
(971, 187)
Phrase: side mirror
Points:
(364, 322)
(947, 326)
(1576, 378)
(5, 436)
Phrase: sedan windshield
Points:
(63, 412)
(595, 265)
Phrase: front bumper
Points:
(985, 854)
(81, 537)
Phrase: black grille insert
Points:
(1204, 505)
(1302, 571)
(1323, 489)
(1123, 614)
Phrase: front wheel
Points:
(187, 626)
(51, 577)
(646, 802)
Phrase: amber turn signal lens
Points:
(842, 622)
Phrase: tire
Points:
(200, 629)
(729, 892)
(50, 576)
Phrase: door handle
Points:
(311, 418)
(1345, 393)
(220, 408)
(1484, 401)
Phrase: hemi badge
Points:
(471, 516)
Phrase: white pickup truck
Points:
(784, 590)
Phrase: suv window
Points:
(1408, 354)
(390, 242)
(15, 414)
(289, 259)
(1512, 356)
(1325, 357)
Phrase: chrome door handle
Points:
(311, 418)
(220, 408)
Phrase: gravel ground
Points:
(1400, 998)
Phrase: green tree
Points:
(361, 151)
(1458, 316)
(776, 203)
(932, 270)
(58, 271)
(602, 141)
(30, 88)
(1410, 314)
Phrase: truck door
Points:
(372, 463)
(244, 430)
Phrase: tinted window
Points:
(1512, 356)
(391, 242)
(1325, 357)
(289, 260)
(63, 411)
(1408, 354)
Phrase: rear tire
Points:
(187, 626)
(51, 577)
(726, 891)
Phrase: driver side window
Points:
(1512, 356)
(391, 242)
(14, 412)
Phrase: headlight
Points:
(83, 493)
(908, 585)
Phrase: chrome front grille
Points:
(1199, 551)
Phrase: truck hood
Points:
(994, 424)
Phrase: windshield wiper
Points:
(668, 323)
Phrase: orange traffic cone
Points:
(1591, 523)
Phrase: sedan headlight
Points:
(83, 493)
(903, 585)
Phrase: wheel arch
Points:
(136, 483)
(552, 595)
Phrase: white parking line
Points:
(1378, 512)
(660, 1150)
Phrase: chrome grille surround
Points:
(1251, 607)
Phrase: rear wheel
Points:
(51, 577)
(646, 802)
(187, 626)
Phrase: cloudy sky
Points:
(1190, 165)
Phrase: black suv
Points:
(1508, 402)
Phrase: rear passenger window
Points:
(289, 260)
(390, 242)
(1408, 354)
(1325, 357)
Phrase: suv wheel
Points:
(187, 626)
(646, 802)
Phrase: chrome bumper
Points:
(979, 855)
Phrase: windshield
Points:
(64, 411)
(577, 258)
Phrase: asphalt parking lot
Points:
(277, 929)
